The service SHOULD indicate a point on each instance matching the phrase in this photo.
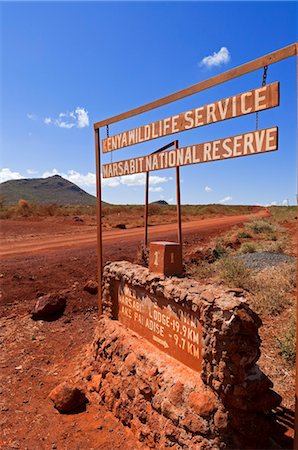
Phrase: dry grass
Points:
(261, 226)
(273, 289)
(287, 343)
(235, 273)
(281, 214)
(248, 247)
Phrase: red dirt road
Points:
(68, 239)
(46, 256)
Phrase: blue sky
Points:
(68, 65)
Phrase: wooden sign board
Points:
(252, 143)
(162, 322)
(246, 103)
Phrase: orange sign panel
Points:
(165, 324)
(252, 143)
(238, 105)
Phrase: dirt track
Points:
(50, 242)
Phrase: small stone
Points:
(96, 382)
(194, 423)
(146, 391)
(91, 286)
(48, 306)
(67, 397)
(87, 373)
(130, 361)
(175, 394)
(221, 420)
(131, 393)
(202, 403)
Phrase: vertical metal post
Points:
(178, 200)
(146, 209)
(98, 216)
(296, 382)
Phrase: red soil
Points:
(47, 256)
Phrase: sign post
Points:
(255, 142)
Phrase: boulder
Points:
(48, 306)
(91, 286)
(67, 398)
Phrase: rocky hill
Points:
(53, 189)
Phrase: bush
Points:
(219, 250)
(243, 235)
(235, 273)
(287, 343)
(248, 247)
(272, 287)
(261, 226)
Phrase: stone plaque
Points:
(165, 324)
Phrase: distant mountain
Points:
(53, 189)
(160, 202)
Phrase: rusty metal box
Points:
(165, 258)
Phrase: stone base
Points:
(165, 403)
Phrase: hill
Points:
(53, 189)
(159, 202)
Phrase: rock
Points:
(194, 423)
(202, 403)
(176, 392)
(48, 306)
(221, 419)
(91, 286)
(67, 397)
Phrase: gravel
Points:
(262, 260)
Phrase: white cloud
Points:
(31, 116)
(31, 171)
(89, 179)
(7, 174)
(223, 56)
(83, 119)
(110, 182)
(78, 118)
(208, 189)
(285, 202)
(170, 200)
(139, 179)
(62, 124)
(156, 189)
(226, 199)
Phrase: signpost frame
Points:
(266, 60)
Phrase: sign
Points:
(163, 323)
(255, 142)
(246, 103)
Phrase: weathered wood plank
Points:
(231, 147)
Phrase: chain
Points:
(263, 84)
(108, 135)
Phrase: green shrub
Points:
(219, 250)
